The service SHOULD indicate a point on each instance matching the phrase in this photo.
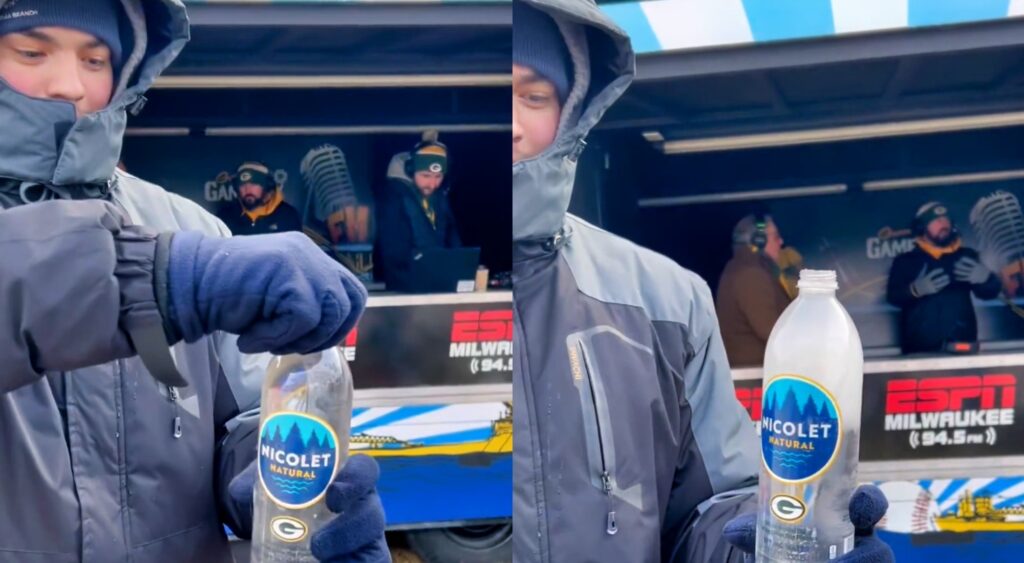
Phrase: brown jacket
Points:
(750, 299)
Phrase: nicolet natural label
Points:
(800, 429)
(298, 456)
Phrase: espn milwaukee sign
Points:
(431, 344)
(485, 337)
(943, 402)
(955, 413)
(348, 347)
(748, 393)
(481, 333)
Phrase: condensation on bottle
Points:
(810, 427)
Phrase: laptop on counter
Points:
(443, 270)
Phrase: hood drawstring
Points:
(558, 240)
(577, 150)
(32, 192)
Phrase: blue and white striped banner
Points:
(244, 2)
(663, 25)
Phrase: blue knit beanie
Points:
(99, 18)
(538, 43)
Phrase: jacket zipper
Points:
(611, 525)
(122, 448)
(172, 396)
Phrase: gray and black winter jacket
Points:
(100, 462)
(630, 444)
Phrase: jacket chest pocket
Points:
(167, 455)
(608, 370)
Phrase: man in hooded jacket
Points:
(630, 443)
(126, 409)
(415, 214)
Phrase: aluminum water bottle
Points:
(810, 427)
(306, 414)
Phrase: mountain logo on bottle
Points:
(800, 429)
(298, 457)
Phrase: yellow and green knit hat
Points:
(430, 158)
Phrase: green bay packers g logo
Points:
(788, 509)
(288, 529)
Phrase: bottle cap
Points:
(818, 279)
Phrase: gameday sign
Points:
(431, 344)
(942, 414)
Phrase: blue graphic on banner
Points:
(774, 20)
(439, 463)
(799, 429)
(954, 520)
(945, 12)
(298, 455)
(445, 489)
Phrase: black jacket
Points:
(404, 229)
(284, 219)
(928, 323)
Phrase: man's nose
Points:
(66, 81)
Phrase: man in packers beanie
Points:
(261, 206)
(414, 215)
(932, 285)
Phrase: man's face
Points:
(427, 182)
(774, 246)
(251, 195)
(535, 113)
(940, 230)
(56, 63)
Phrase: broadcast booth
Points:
(325, 95)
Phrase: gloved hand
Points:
(867, 506)
(279, 292)
(969, 270)
(929, 283)
(356, 535)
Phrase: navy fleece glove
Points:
(356, 535)
(867, 506)
(279, 292)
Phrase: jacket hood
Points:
(396, 168)
(399, 179)
(603, 67)
(43, 142)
